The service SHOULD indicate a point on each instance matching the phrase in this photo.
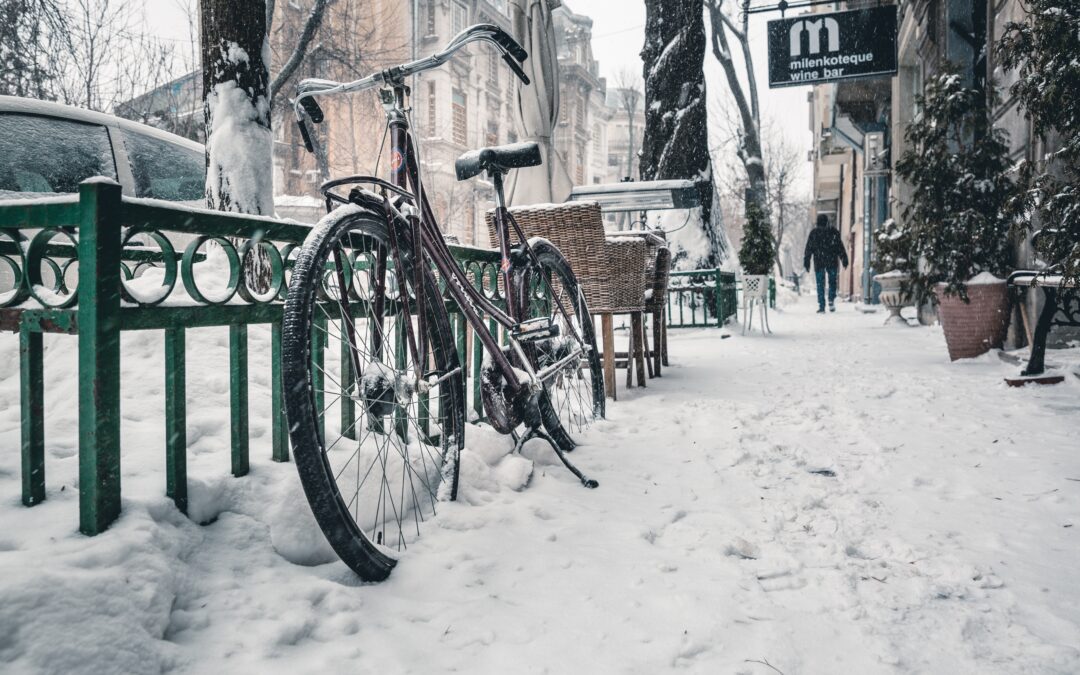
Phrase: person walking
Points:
(825, 248)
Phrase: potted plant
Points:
(1043, 51)
(892, 253)
(956, 226)
(758, 250)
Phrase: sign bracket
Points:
(783, 6)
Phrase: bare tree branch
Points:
(311, 26)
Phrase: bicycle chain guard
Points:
(506, 409)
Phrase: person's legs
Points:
(834, 274)
(819, 276)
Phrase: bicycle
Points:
(365, 278)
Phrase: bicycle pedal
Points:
(533, 330)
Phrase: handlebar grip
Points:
(507, 42)
(311, 107)
(516, 68)
(306, 135)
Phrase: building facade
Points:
(850, 121)
(581, 132)
(469, 103)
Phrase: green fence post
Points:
(31, 374)
(279, 433)
(238, 397)
(99, 354)
(176, 418)
(772, 293)
(719, 299)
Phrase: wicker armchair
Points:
(657, 274)
(611, 273)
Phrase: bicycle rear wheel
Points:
(574, 397)
(376, 424)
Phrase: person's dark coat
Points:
(825, 247)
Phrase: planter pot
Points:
(892, 296)
(972, 329)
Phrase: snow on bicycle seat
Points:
(498, 159)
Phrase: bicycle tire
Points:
(367, 552)
(568, 405)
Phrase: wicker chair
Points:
(611, 273)
(655, 307)
(657, 274)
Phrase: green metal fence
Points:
(108, 241)
(701, 298)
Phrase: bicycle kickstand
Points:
(536, 432)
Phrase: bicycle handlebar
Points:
(513, 54)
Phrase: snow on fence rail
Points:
(95, 264)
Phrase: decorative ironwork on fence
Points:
(80, 265)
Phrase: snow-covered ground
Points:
(834, 498)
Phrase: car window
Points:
(51, 155)
(165, 170)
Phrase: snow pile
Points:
(240, 147)
(984, 279)
(755, 505)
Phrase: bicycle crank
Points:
(506, 407)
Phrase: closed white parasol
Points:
(538, 105)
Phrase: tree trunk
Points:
(675, 143)
(239, 144)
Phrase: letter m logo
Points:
(813, 29)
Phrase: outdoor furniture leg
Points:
(1035, 364)
(658, 341)
(637, 322)
(631, 343)
(663, 334)
(608, 331)
(647, 351)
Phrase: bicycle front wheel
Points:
(374, 394)
(573, 396)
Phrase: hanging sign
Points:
(818, 48)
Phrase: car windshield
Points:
(48, 155)
(165, 170)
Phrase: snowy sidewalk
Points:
(835, 498)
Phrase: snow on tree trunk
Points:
(676, 138)
(239, 143)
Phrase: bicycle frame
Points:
(405, 180)
(431, 245)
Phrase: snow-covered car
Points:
(48, 148)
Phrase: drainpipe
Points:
(851, 227)
(868, 199)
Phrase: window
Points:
(460, 115)
(916, 91)
(165, 170)
(493, 69)
(564, 111)
(431, 107)
(46, 154)
(460, 16)
(511, 136)
(492, 136)
(431, 17)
